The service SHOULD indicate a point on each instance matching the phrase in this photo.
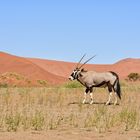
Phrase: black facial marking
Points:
(74, 74)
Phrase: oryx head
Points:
(77, 70)
(74, 74)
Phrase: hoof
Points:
(91, 102)
(116, 103)
(108, 103)
(84, 102)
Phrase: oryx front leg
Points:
(91, 96)
(109, 98)
(85, 95)
(116, 99)
(110, 93)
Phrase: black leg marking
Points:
(109, 87)
(87, 90)
(110, 93)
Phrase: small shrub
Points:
(129, 118)
(3, 85)
(42, 82)
(133, 76)
(12, 122)
(37, 121)
(73, 84)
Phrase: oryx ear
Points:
(83, 70)
(80, 75)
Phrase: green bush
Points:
(37, 121)
(73, 84)
(3, 85)
(42, 82)
(133, 76)
(129, 118)
(12, 122)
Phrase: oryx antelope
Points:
(91, 79)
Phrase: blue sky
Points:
(66, 29)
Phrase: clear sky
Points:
(66, 29)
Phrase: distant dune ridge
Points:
(56, 72)
(25, 67)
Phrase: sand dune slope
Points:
(10, 63)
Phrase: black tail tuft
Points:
(116, 85)
(118, 88)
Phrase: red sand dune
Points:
(127, 66)
(56, 72)
(123, 67)
(10, 63)
(64, 69)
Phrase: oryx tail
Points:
(116, 85)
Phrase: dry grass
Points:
(39, 109)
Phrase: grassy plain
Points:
(58, 113)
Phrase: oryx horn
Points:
(80, 60)
(87, 61)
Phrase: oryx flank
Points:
(91, 79)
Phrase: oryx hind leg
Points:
(110, 94)
(116, 97)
